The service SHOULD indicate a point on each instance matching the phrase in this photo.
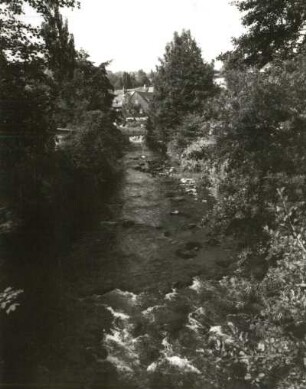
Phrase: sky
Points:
(133, 33)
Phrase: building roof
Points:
(120, 95)
(148, 96)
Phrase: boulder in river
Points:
(189, 250)
(212, 242)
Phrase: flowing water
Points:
(110, 309)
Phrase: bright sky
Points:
(134, 33)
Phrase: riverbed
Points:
(77, 319)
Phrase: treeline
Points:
(130, 80)
(45, 83)
(247, 141)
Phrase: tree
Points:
(182, 84)
(142, 78)
(20, 40)
(89, 90)
(27, 101)
(115, 79)
(59, 43)
(128, 80)
(276, 28)
(26, 87)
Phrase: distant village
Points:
(134, 103)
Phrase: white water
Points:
(126, 351)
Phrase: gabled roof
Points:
(148, 96)
(122, 96)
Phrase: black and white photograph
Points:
(153, 194)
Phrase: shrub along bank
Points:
(248, 145)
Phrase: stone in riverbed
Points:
(189, 250)
(213, 242)
(178, 198)
(190, 226)
(127, 223)
(175, 212)
(185, 254)
(193, 245)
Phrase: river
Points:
(79, 318)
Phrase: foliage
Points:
(130, 80)
(96, 147)
(59, 44)
(182, 84)
(191, 128)
(8, 299)
(89, 89)
(277, 319)
(20, 40)
(44, 84)
(260, 142)
(276, 29)
(27, 103)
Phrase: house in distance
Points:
(133, 103)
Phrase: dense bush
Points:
(260, 142)
(96, 146)
(182, 83)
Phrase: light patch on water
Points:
(152, 368)
(200, 351)
(167, 346)
(189, 185)
(120, 364)
(117, 314)
(217, 330)
(119, 337)
(183, 364)
(122, 348)
(132, 297)
(176, 361)
(170, 296)
(126, 351)
(193, 323)
(187, 181)
(149, 312)
(136, 139)
(196, 285)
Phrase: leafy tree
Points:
(260, 146)
(26, 86)
(142, 78)
(276, 28)
(27, 101)
(59, 43)
(128, 80)
(182, 84)
(20, 40)
(90, 89)
(115, 79)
